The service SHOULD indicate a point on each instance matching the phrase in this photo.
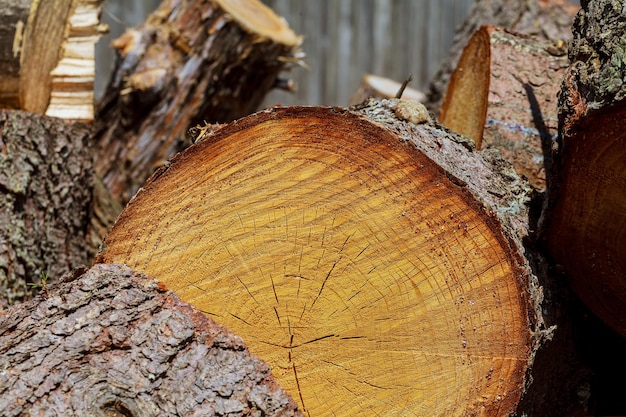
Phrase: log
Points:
(46, 182)
(191, 62)
(47, 56)
(550, 20)
(503, 95)
(372, 259)
(111, 342)
(585, 214)
(374, 86)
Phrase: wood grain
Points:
(368, 279)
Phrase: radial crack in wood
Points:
(372, 279)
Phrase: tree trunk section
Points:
(550, 20)
(46, 181)
(110, 342)
(503, 95)
(369, 257)
(47, 56)
(191, 62)
(585, 216)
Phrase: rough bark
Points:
(45, 197)
(547, 19)
(110, 342)
(191, 62)
(374, 260)
(47, 56)
(585, 215)
(503, 95)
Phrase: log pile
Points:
(313, 261)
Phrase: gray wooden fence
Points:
(343, 39)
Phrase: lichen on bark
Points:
(598, 57)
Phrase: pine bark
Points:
(111, 342)
(366, 254)
(550, 20)
(46, 181)
(191, 63)
(503, 95)
(585, 217)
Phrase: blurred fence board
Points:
(343, 40)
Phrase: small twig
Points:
(403, 86)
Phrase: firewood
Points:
(46, 181)
(190, 63)
(374, 86)
(503, 95)
(112, 342)
(371, 258)
(47, 56)
(550, 20)
(585, 217)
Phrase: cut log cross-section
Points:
(370, 278)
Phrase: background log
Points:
(585, 216)
(370, 258)
(547, 19)
(374, 86)
(46, 181)
(191, 62)
(47, 56)
(112, 342)
(503, 95)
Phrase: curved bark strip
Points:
(46, 187)
(372, 259)
(550, 20)
(190, 62)
(109, 341)
(503, 95)
(585, 217)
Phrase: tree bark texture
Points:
(374, 260)
(110, 342)
(45, 198)
(503, 95)
(191, 62)
(550, 20)
(585, 216)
